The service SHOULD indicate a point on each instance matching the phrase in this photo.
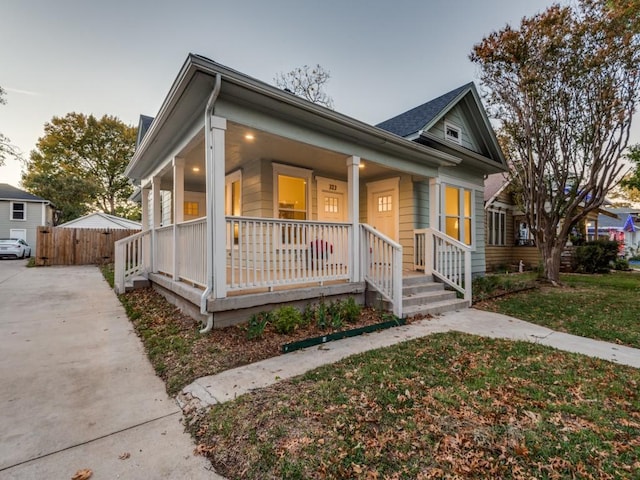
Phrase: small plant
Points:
(321, 317)
(309, 314)
(350, 310)
(286, 319)
(256, 325)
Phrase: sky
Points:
(120, 57)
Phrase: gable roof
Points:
(9, 192)
(412, 121)
(494, 185)
(102, 220)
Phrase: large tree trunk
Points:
(552, 258)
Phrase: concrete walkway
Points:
(77, 388)
(232, 383)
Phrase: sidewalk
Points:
(232, 383)
(77, 389)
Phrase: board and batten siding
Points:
(31, 224)
(457, 118)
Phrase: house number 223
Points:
(333, 187)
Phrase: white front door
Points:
(383, 208)
(332, 200)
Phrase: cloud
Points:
(23, 92)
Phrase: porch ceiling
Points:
(239, 150)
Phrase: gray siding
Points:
(457, 117)
(406, 220)
(421, 203)
(478, 266)
(31, 224)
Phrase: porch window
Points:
(18, 211)
(497, 228)
(191, 209)
(233, 200)
(291, 192)
(458, 207)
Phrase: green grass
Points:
(604, 307)
(445, 406)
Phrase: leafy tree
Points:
(6, 149)
(79, 165)
(632, 181)
(564, 86)
(306, 82)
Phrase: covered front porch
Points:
(270, 194)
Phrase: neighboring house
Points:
(102, 220)
(252, 196)
(624, 228)
(509, 240)
(21, 213)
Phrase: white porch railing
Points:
(382, 265)
(444, 257)
(192, 251)
(264, 252)
(164, 250)
(132, 257)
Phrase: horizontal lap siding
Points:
(406, 220)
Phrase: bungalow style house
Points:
(624, 228)
(253, 197)
(21, 213)
(508, 238)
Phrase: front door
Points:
(382, 206)
(332, 200)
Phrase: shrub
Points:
(286, 319)
(621, 264)
(596, 257)
(257, 324)
(350, 310)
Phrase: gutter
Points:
(208, 112)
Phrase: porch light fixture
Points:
(361, 166)
(196, 169)
(249, 136)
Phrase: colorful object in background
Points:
(629, 226)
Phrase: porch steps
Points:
(137, 282)
(421, 295)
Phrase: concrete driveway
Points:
(77, 390)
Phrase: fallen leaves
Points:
(83, 474)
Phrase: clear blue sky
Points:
(120, 57)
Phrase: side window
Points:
(458, 213)
(18, 211)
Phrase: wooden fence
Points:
(77, 246)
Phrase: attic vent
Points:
(452, 133)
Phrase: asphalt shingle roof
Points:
(9, 192)
(143, 126)
(414, 120)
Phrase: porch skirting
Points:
(237, 309)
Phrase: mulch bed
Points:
(180, 354)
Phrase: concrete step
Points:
(412, 280)
(137, 282)
(435, 308)
(421, 288)
(427, 298)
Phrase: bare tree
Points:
(306, 82)
(564, 86)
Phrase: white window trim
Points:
(229, 179)
(281, 169)
(24, 211)
(449, 125)
(491, 240)
(441, 216)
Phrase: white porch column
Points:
(353, 200)
(434, 223)
(145, 209)
(178, 210)
(156, 219)
(216, 225)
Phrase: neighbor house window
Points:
(291, 192)
(458, 209)
(18, 211)
(496, 228)
(452, 133)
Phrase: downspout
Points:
(208, 112)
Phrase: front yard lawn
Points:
(604, 307)
(445, 406)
